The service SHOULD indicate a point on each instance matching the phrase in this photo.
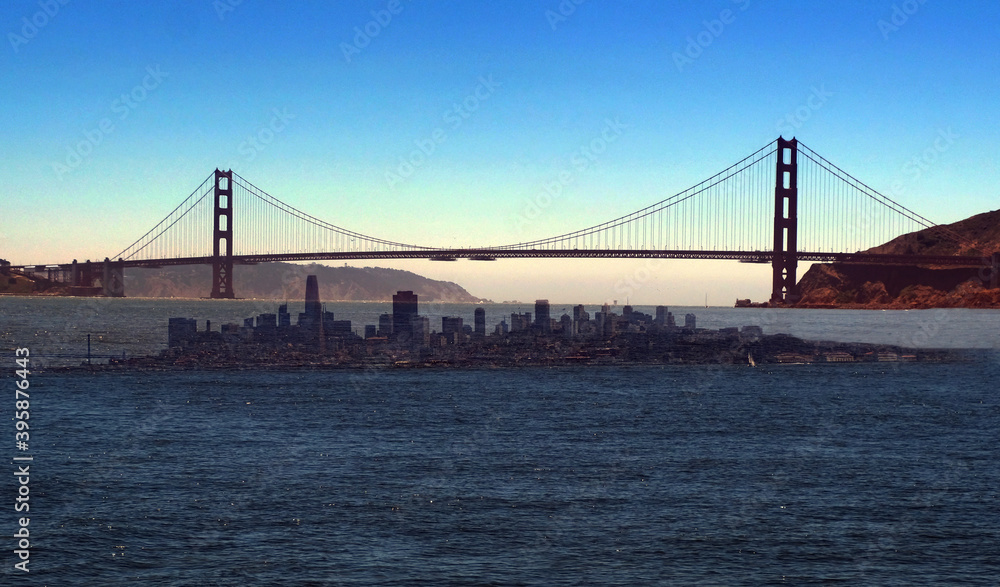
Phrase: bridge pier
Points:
(113, 279)
(222, 239)
(784, 289)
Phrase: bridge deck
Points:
(494, 254)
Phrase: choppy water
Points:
(873, 474)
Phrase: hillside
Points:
(287, 281)
(882, 286)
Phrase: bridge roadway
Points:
(495, 254)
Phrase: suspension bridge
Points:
(782, 204)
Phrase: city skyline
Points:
(327, 105)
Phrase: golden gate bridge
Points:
(782, 204)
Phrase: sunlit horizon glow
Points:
(117, 111)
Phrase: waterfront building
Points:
(370, 331)
(689, 321)
(180, 330)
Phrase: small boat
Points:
(750, 360)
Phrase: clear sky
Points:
(159, 94)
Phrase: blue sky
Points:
(693, 87)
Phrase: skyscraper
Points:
(480, 322)
(312, 318)
(661, 316)
(385, 325)
(542, 319)
(404, 310)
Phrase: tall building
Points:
(385, 325)
(404, 310)
(567, 326)
(314, 308)
(520, 321)
(542, 319)
(480, 322)
(451, 324)
(689, 321)
(661, 316)
(311, 321)
(421, 330)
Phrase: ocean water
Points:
(873, 474)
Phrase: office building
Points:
(520, 321)
(312, 317)
(480, 322)
(421, 330)
(404, 310)
(661, 316)
(451, 324)
(542, 319)
(385, 325)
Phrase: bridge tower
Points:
(222, 239)
(786, 204)
(113, 278)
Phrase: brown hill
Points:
(842, 285)
(286, 281)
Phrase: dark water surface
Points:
(868, 474)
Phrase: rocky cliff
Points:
(884, 286)
(286, 281)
